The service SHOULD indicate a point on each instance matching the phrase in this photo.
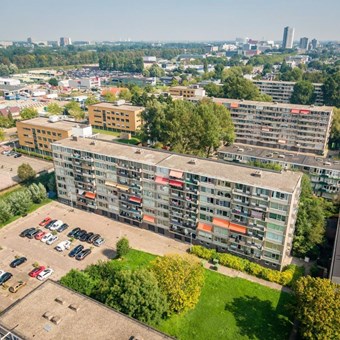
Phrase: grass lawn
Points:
(133, 141)
(229, 308)
(106, 132)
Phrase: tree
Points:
(331, 90)
(237, 87)
(181, 279)
(205, 66)
(2, 135)
(109, 96)
(156, 71)
(91, 100)
(53, 82)
(303, 93)
(74, 110)
(294, 74)
(79, 281)
(318, 308)
(26, 172)
(219, 70)
(213, 90)
(137, 294)
(20, 202)
(54, 109)
(125, 94)
(122, 247)
(38, 192)
(28, 113)
(5, 211)
(334, 139)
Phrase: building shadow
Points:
(257, 319)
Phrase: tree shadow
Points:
(257, 319)
(109, 253)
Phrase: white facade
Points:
(9, 81)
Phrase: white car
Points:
(45, 274)
(46, 237)
(63, 245)
(52, 239)
(56, 225)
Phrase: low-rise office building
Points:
(324, 173)
(281, 91)
(187, 91)
(292, 127)
(229, 207)
(116, 116)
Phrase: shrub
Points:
(123, 247)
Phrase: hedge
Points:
(287, 277)
(34, 154)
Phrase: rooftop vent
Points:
(192, 161)
(47, 315)
(240, 149)
(327, 163)
(59, 300)
(56, 320)
(139, 151)
(93, 143)
(281, 156)
(257, 173)
(75, 138)
(53, 119)
(74, 307)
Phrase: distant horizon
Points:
(159, 21)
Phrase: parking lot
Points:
(35, 251)
(9, 168)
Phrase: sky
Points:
(164, 20)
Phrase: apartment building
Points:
(324, 173)
(187, 91)
(37, 134)
(116, 116)
(281, 91)
(283, 126)
(232, 208)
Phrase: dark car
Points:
(18, 262)
(17, 155)
(83, 237)
(36, 232)
(83, 254)
(95, 237)
(73, 232)
(79, 234)
(26, 231)
(5, 277)
(75, 251)
(49, 225)
(90, 237)
(62, 227)
(31, 233)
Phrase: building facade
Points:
(187, 91)
(231, 208)
(283, 126)
(288, 37)
(324, 173)
(304, 43)
(116, 116)
(281, 91)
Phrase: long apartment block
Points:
(284, 126)
(116, 116)
(232, 208)
(187, 91)
(281, 91)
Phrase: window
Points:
(277, 217)
(274, 237)
(279, 195)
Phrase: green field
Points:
(106, 132)
(229, 308)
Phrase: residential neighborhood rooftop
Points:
(106, 105)
(45, 122)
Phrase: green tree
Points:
(53, 82)
(331, 90)
(78, 281)
(334, 139)
(237, 87)
(218, 71)
(2, 135)
(5, 211)
(20, 202)
(28, 113)
(54, 108)
(91, 100)
(156, 71)
(137, 294)
(303, 93)
(125, 94)
(213, 90)
(205, 65)
(26, 172)
(181, 278)
(318, 308)
(109, 97)
(122, 247)
(294, 74)
(74, 110)
(38, 192)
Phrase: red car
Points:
(40, 235)
(45, 221)
(36, 271)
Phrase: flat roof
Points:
(289, 156)
(280, 82)
(274, 104)
(113, 106)
(93, 320)
(285, 181)
(44, 122)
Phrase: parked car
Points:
(2, 272)
(46, 237)
(36, 232)
(79, 234)
(52, 239)
(26, 231)
(91, 238)
(5, 277)
(83, 237)
(17, 155)
(73, 232)
(95, 237)
(40, 235)
(45, 274)
(76, 250)
(30, 234)
(6, 152)
(17, 286)
(36, 271)
(83, 254)
(11, 153)
(45, 221)
(56, 225)
(50, 224)
(18, 262)
(63, 245)
(63, 227)
(98, 242)
(88, 236)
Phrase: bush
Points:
(34, 154)
(26, 172)
(287, 277)
(123, 247)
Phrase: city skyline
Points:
(154, 21)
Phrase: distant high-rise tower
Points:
(288, 37)
(65, 41)
(313, 44)
(29, 40)
(304, 43)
